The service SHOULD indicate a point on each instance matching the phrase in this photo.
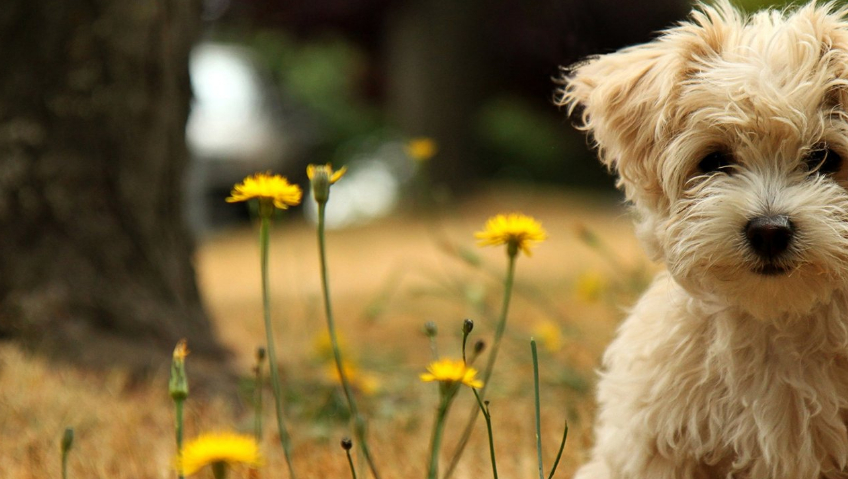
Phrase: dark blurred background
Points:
(349, 81)
(123, 125)
(281, 84)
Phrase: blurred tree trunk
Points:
(94, 96)
(436, 66)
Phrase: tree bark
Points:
(94, 96)
(436, 66)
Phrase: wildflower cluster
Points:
(225, 450)
(219, 450)
(516, 231)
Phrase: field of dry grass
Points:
(387, 279)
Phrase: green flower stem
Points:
(512, 253)
(359, 422)
(434, 348)
(464, 342)
(501, 327)
(65, 465)
(538, 408)
(257, 404)
(265, 212)
(438, 430)
(559, 453)
(178, 426)
(488, 417)
(219, 470)
(350, 463)
(65, 445)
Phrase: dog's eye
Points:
(715, 162)
(823, 160)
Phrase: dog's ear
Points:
(621, 99)
(830, 27)
(626, 99)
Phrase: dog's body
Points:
(728, 136)
(693, 390)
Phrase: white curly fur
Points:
(721, 371)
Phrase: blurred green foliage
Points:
(518, 137)
(323, 76)
(512, 132)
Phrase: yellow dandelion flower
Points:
(451, 371)
(366, 383)
(421, 148)
(549, 335)
(515, 230)
(265, 186)
(222, 447)
(590, 286)
(322, 345)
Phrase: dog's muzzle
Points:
(769, 237)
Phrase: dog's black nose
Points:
(769, 236)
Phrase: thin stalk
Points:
(257, 403)
(359, 422)
(178, 410)
(434, 348)
(488, 417)
(65, 446)
(285, 441)
(464, 341)
(538, 408)
(438, 430)
(512, 253)
(350, 463)
(65, 465)
(501, 327)
(561, 447)
(219, 470)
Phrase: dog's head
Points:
(729, 135)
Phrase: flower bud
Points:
(430, 329)
(321, 186)
(178, 385)
(321, 177)
(67, 440)
(347, 443)
(467, 326)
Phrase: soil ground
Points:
(387, 278)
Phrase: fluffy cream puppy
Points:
(729, 136)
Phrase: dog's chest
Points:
(769, 398)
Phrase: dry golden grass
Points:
(387, 279)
